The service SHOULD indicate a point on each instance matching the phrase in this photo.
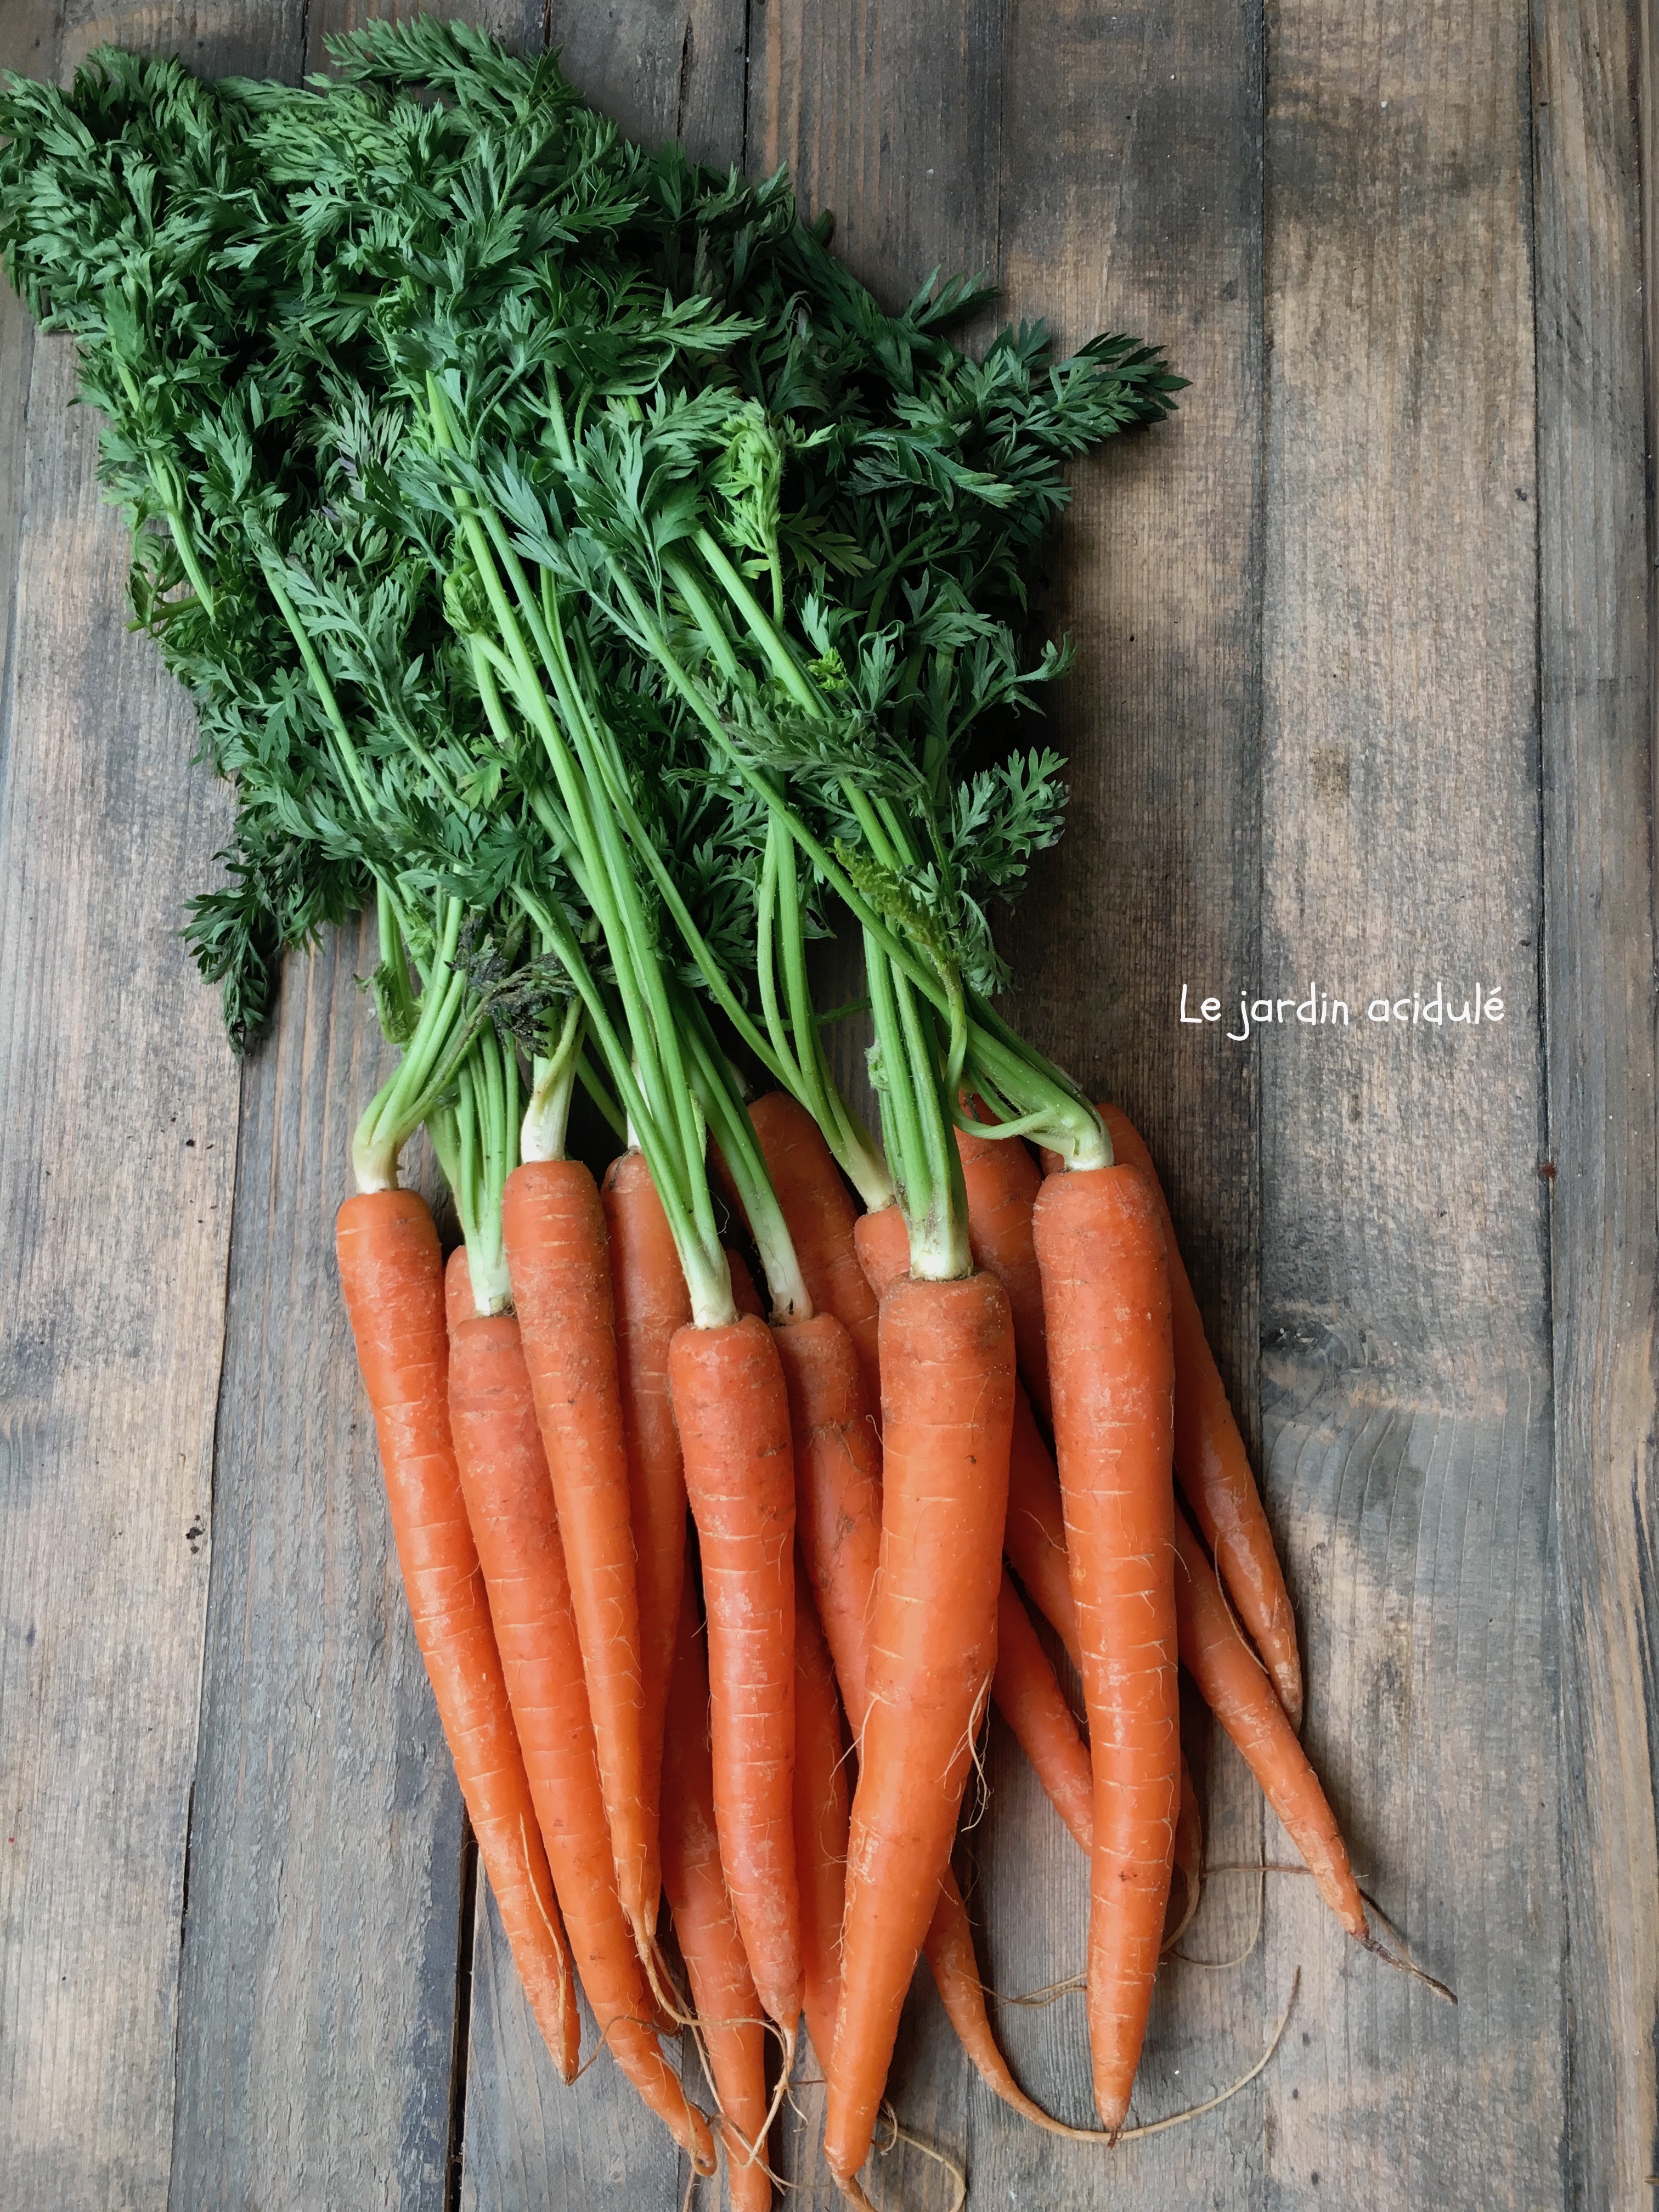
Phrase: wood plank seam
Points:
(466, 1937)
(1593, 141)
(179, 2021)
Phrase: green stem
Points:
(680, 1175)
(349, 757)
(425, 1072)
(486, 1124)
(553, 1078)
(734, 1132)
(790, 1070)
(844, 1133)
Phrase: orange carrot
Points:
(1239, 1692)
(1024, 1688)
(652, 1301)
(554, 1228)
(1106, 1291)
(1035, 1536)
(822, 1814)
(883, 1245)
(955, 1972)
(730, 2025)
(1189, 1855)
(947, 1368)
(838, 1478)
(1034, 1705)
(391, 1275)
(1002, 1181)
(1211, 1462)
(509, 1503)
(819, 1212)
(733, 1415)
(837, 1489)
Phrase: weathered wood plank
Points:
(216, 38)
(663, 69)
(1131, 200)
(117, 1148)
(892, 116)
(1595, 660)
(529, 2140)
(1404, 1290)
(318, 2014)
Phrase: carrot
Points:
(1238, 1691)
(947, 1368)
(1188, 1854)
(733, 2033)
(652, 1301)
(554, 1228)
(733, 1414)
(1034, 1705)
(1026, 1692)
(822, 1814)
(819, 1212)
(1211, 1462)
(1035, 1536)
(883, 1245)
(956, 1973)
(838, 1491)
(1003, 1181)
(509, 1503)
(1029, 1698)
(391, 1276)
(1105, 1281)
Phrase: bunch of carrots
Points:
(567, 558)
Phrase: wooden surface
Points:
(1365, 698)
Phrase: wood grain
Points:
(529, 2139)
(116, 1152)
(889, 115)
(663, 69)
(215, 37)
(317, 2017)
(1404, 1290)
(1596, 669)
